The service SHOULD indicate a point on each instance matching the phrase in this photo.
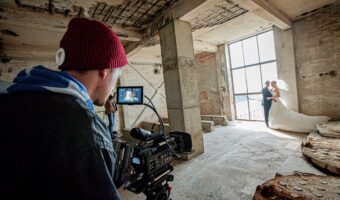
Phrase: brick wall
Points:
(208, 83)
(317, 57)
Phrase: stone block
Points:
(217, 119)
(207, 126)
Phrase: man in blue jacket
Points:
(266, 101)
(54, 145)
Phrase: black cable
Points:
(159, 118)
(162, 128)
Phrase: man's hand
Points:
(113, 102)
(110, 105)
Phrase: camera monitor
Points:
(130, 95)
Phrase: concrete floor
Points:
(237, 158)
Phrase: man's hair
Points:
(117, 72)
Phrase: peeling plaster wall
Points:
(286, 68)
(208, 83)
(213, 83)
(143, 75)
(317, 55)
(9, 70)
(224, 82)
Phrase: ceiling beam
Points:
(185, 7)
(202, 46)
(132, 48)
(267, 11)
(175, 12)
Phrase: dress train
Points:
(280, 117)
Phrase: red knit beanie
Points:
(90, 44)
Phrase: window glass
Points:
(241, 104)
(266, 46)
(255, 107)
(269, 72)
(239, 77)
(236, 54)
(251, 55)
(253, 79)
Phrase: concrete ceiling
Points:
(128, 13)
(239, 27)
(36, 26)
(295, 8)
(253, 16)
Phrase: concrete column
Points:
(286, 69)
(180, 81)
(226, 95)
(231, 115)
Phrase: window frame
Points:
(247, 66)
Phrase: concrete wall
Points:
(317, 57)
(286, 69)
(143, 75)
(9, 70)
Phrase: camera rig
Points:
(144, 165)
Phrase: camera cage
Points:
(157, 181)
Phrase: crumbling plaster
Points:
(317, 57)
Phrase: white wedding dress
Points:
(280, 117)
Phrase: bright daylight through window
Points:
(252, 62)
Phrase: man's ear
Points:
(103, 72)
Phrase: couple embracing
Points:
(278, 116)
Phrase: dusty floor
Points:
(237, 158)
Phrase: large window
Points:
(252, 62)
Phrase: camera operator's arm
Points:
(93, 158)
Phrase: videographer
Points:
(110, 111)
(54, 146)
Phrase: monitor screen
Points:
(130, 95)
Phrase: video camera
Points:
(144, 165)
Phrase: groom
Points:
(266, 102)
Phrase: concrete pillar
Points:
(231, 115)
(180, 81)
(286, 69)
(226, 96)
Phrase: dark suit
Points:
(266, 103)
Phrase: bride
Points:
(280, 117)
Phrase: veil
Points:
(282, 85)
